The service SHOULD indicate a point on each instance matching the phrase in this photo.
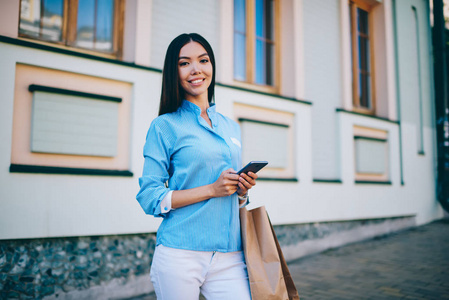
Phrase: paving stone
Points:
(412, 264)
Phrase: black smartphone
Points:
(253, 166)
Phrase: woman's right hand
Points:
(226, 184)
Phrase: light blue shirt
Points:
(183, 149)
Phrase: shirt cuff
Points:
(246, 202)
(166, 203)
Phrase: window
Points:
(256, 42)
(371, 154)
(256, 133)
(88, 24)
(268, 134)
(362, 60)
(72, 122)
(69, 123)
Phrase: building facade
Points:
(337, 95)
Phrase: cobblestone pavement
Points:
(412, 264)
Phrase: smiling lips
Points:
(197, 81)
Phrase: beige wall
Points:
(49, 205)
(9, 17)
(20, 148)
(137, 35)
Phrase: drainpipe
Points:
(398, 88)
(441, 103)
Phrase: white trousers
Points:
(181, 274)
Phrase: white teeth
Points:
(197, 81)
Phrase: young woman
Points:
(196, 150)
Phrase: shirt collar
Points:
(211, 111)
(187, 105)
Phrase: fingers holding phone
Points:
(230, 181)
(246, 182)
(248, 176)
(226, 184)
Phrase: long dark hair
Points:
(172, 93)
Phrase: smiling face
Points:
(194, 71)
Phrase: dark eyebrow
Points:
(185, 57)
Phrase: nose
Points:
(195, 68)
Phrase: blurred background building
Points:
(337, 95)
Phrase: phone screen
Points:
(253, 166)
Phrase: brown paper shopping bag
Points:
(268, 273)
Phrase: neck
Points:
(201, 101)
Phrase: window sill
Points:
(15, 168)
(47, 89)
(71, 48)
(366, 115)
(316, 180)
(373, 182)
(363, 111)
(69, 51)
(257, 87)
(278, 179)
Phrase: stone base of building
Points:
(305, 239)
(98, 267)
(117, 267)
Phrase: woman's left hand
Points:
(246, 182)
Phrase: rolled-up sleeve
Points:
(155, 171)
